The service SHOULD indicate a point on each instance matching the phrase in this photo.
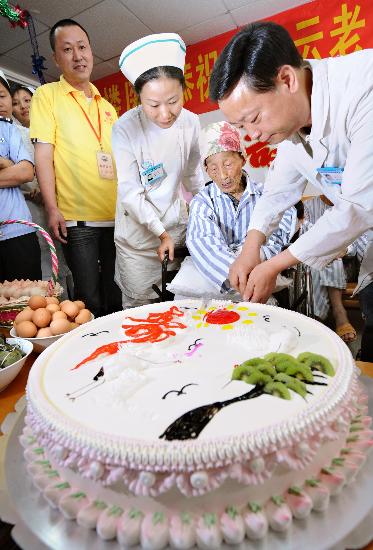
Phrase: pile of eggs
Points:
(46, 316)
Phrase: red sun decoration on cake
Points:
(226, 316)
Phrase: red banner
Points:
(319, 29)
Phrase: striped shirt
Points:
(217, 230)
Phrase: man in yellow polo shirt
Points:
(71, 129)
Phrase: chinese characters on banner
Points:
(319, 29)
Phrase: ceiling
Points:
(113, 24)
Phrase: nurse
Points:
(156, 150)
(320, 112)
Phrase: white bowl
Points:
(8, 374)
(41, 343)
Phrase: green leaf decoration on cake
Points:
(158, 517)
(278, 500)
(293, 384)
(38, 451)
(316, 362)
(352, 438)
(345, 451)
(328, 471)
(186, 518)
(78, 496)
(257, 378)
(294, 490)
(254, 507)
(52, 473)
(312, 482)
(232, 512)
(134, 513)
(356, 427)
(100, 504)
(115, 511)
(61, 486)
(278, 389)
(338, 461)
(210, 520)
(44, 463)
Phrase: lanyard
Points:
(98, 135)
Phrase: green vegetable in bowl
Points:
(9, 353)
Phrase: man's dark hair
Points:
(165, 71)
(255, 53)
(58, 25)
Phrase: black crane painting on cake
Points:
(276, 374)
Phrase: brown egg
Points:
(83, 316)
(52, 300)
(44, 332)
(53, 307)
(70, 309)
(58, 315)
(73, 325)
(26, 329)
(41, 317)
(80, 304)
(36, 302)
(24, 315)
(60, 326)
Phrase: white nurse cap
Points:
(4, 77)
(155, 50)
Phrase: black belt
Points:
(81, 224)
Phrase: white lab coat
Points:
(142, 215)
(341, 136)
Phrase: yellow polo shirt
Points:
(58, 119)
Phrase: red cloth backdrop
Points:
(320, 29)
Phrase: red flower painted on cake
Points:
(229, 138)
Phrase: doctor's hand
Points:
(241, 268)
(261, 283)
(167, 244)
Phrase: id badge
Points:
(105, 165)
(153, 175)
(331, 174)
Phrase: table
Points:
(16, 389)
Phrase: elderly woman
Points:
(220, 215)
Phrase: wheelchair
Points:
(163, 294)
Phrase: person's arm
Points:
(15, 175)
(283, 188)
(44, 154)
(18, 168)
(262, 279)
(5, 163)
(206, 243)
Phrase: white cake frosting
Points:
(103, 400)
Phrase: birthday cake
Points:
(186, 423)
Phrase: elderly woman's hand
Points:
(167, 244)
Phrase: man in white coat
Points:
(321, 114)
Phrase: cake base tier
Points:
(54, 531)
